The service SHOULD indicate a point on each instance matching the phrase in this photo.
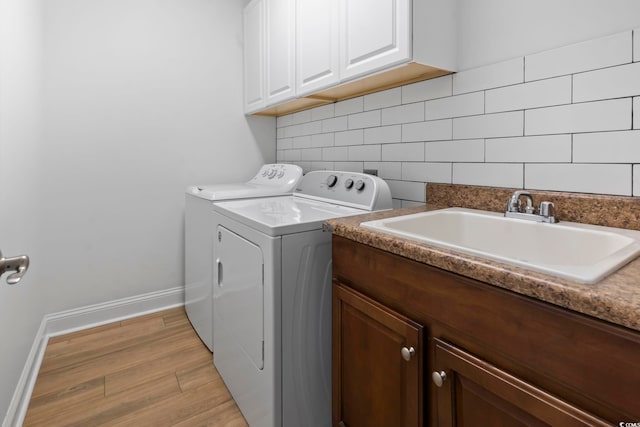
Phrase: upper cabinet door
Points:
(317, 45)
(279, 55)
(254, 98)
(375, 34)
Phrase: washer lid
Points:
(271, 180)
(276, 216)
(215, 192)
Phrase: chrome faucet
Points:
(18, 264)
(515, 209)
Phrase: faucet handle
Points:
(515, 204)
(548, 210)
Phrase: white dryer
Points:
(270, 180)
(272, 296)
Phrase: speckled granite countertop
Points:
(616, 298)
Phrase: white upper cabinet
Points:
(304, 53)
(254, 94)
(317, 45)
(269, 41)
(374, 34)
(279, 55)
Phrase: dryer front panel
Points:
(239, 289)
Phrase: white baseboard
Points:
(77, 319)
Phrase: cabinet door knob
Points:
(438, 378)
(407, 353)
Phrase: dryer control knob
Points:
(332, 180)
(360, 185)
(348, 184)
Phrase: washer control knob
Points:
(360, 185)
(348, 183)
(332, 180)
(272, 173)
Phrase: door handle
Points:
(219, 264)
(18, 265)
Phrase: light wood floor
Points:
(148, 371)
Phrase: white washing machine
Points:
(270, 180)
(272, 296)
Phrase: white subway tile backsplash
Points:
(322, 140)
(369, 153)
(324, 112)
(283, 121)
(489, 77)
(607, 147)
(334, 125)
(291, 155)
(428, 89)
(284, 143)
(584, 178)
(349, 137)
(573, 126)
(541, 93)
(586, 117)
(613, 82)
(386, 170)
(302, 141)
(407, 190)
(383, 134)
(575, 58)
(327, 166)
(529, 149)
(403, 114)
(349, 166)
(349, 106)
(334, 153)
(427, 131)
(466, 150)
(410, 151)
(454, 106)
(302, 129)
(427, 172)
(310, 153)
(364, 120)
(490, 174)
(386, 98)
(302, 117)
(489, 125)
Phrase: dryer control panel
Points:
(353, 189)
(280, 174)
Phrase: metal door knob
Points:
(439, 378)
(407, 353)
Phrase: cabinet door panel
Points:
(374, 34)
(475, 391)
(373, 385)
(280, 50)
(254, 56)
(317, 47)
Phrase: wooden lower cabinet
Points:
(470, 391)
(498, 358)
(377, 364)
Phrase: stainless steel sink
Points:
(581, 252)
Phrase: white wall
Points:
(140, 99)
(491, 31)
(22, 305)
